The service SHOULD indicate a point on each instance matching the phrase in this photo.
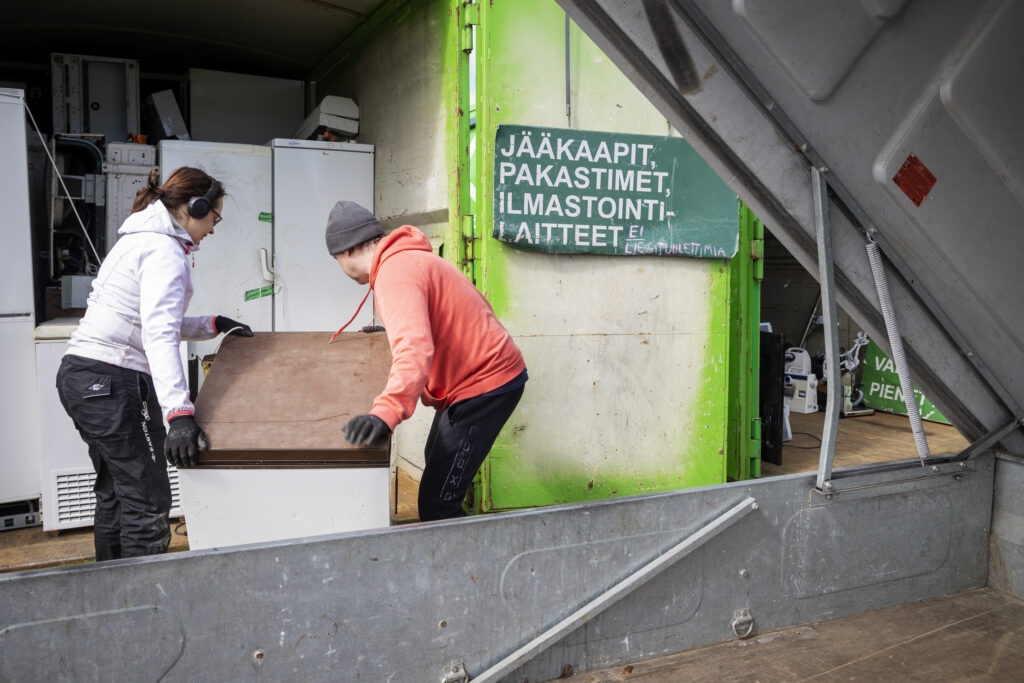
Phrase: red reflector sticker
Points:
(914, 179)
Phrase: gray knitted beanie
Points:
(350, 225)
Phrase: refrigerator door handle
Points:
(268, 274)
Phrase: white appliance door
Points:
(19, 421)
(228, 276)
(16, 256)
(314, 293)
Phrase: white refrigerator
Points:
(309, 177)
(19, 420)
(231, 275)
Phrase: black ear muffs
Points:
(199, 207)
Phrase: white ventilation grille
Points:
(74, 500)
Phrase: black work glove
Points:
(364, 430)
(222, 324)
(184, 441)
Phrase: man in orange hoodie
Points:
(448, 350)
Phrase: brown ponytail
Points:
(182, 185)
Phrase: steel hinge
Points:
(470, 16)
(755, 429)
(469, 247)
(757, 256)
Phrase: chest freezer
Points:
(66, 471)
(278, 466)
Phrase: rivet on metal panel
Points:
(744, 573)
(442, 623)
(935, 468)
(754, 506)
(454, 673)
(742, 623)
(828, 486)
(257, 656)
(963, 466)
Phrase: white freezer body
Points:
(243, 108)
(19, 449)
(19, 458)
(225, 507)
(66, 473)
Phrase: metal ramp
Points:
(407, 604)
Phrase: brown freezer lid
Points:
(279, 399)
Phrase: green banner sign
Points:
(585, 192)
(882, 389)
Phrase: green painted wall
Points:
(629, 358)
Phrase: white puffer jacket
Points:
(136, 311)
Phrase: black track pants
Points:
(460, 438)
(116, 412)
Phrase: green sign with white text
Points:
(882, 390)
(586, 192)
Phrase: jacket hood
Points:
(156, 218)
(405, 238)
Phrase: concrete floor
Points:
(971, 636)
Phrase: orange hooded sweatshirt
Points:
(446, 343)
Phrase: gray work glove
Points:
(184, 441)
(365, 430)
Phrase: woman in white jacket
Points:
(122, 374)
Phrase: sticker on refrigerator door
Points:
(259, 292)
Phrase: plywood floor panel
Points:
(881, 437)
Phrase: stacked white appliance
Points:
(19, 458)
(267, 265)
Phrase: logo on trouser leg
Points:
(457, 471)
(145, 431)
